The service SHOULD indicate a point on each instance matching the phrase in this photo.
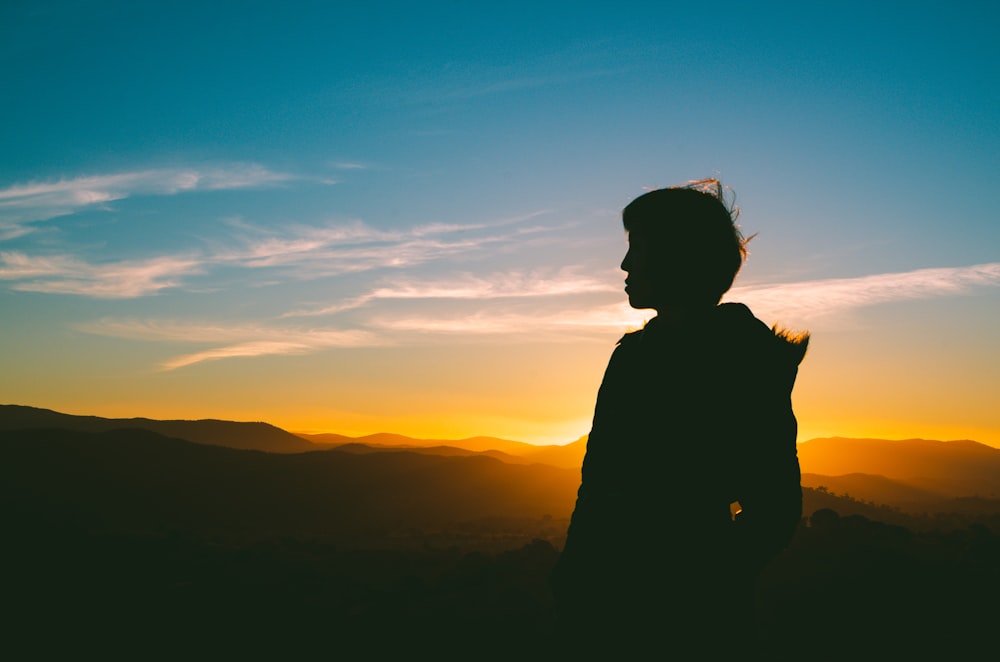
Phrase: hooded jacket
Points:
(692, 422)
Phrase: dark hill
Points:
(480, 444)
(566, 456)
(392, 440)
(874, 488)
(136, 481)
(447, 451)
(326, 439)
(951, 468)
(231, 434)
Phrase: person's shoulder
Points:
(737, 322)
(737, 316)
(629, 338)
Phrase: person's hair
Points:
(690, 229)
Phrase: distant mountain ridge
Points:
(872, 488)
(230, 434)
(158, 541)
(950, 468)
(567, 456)
(394, 440)
(444, 451)
(134, 481)
(897, 472)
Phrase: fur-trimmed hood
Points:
(725, 343)
(790, 346)
(732, 326)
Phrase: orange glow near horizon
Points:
(463, 426)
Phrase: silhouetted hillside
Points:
(874, 488)
(919, 477)
(231, 434)
(135, 481)
(446, 451)
(567, 456)
(133, 545)
(392, 440)
(853, 588)
(326, 439)
(940, 515)
(950, 468)
(821, 498)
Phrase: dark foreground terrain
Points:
(848, 587)
(125, 544)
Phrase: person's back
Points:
(694, 414)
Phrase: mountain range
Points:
(944, 468)
(231, 434)
(133, 540)
(135, 481)
(477, 476)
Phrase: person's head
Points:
(684, 247)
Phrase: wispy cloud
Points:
(240, 350)
(311, 251)
(297, 252)
(23, 204)
(786, 302)
(470, 287)
(552, 322)
(580, 318)
(821, 298)
(61, 274)
(230, 340)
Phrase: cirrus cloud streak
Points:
(298, 253)
(62, 274)
(22, 205)
(230, 340)
(496, 318)
(467, 286)
(822, 298)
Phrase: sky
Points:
(406, 217)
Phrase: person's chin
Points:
(638, 303)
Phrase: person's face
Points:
(639, 283)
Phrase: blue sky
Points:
(405, 216)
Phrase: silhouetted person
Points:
(694, 414)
